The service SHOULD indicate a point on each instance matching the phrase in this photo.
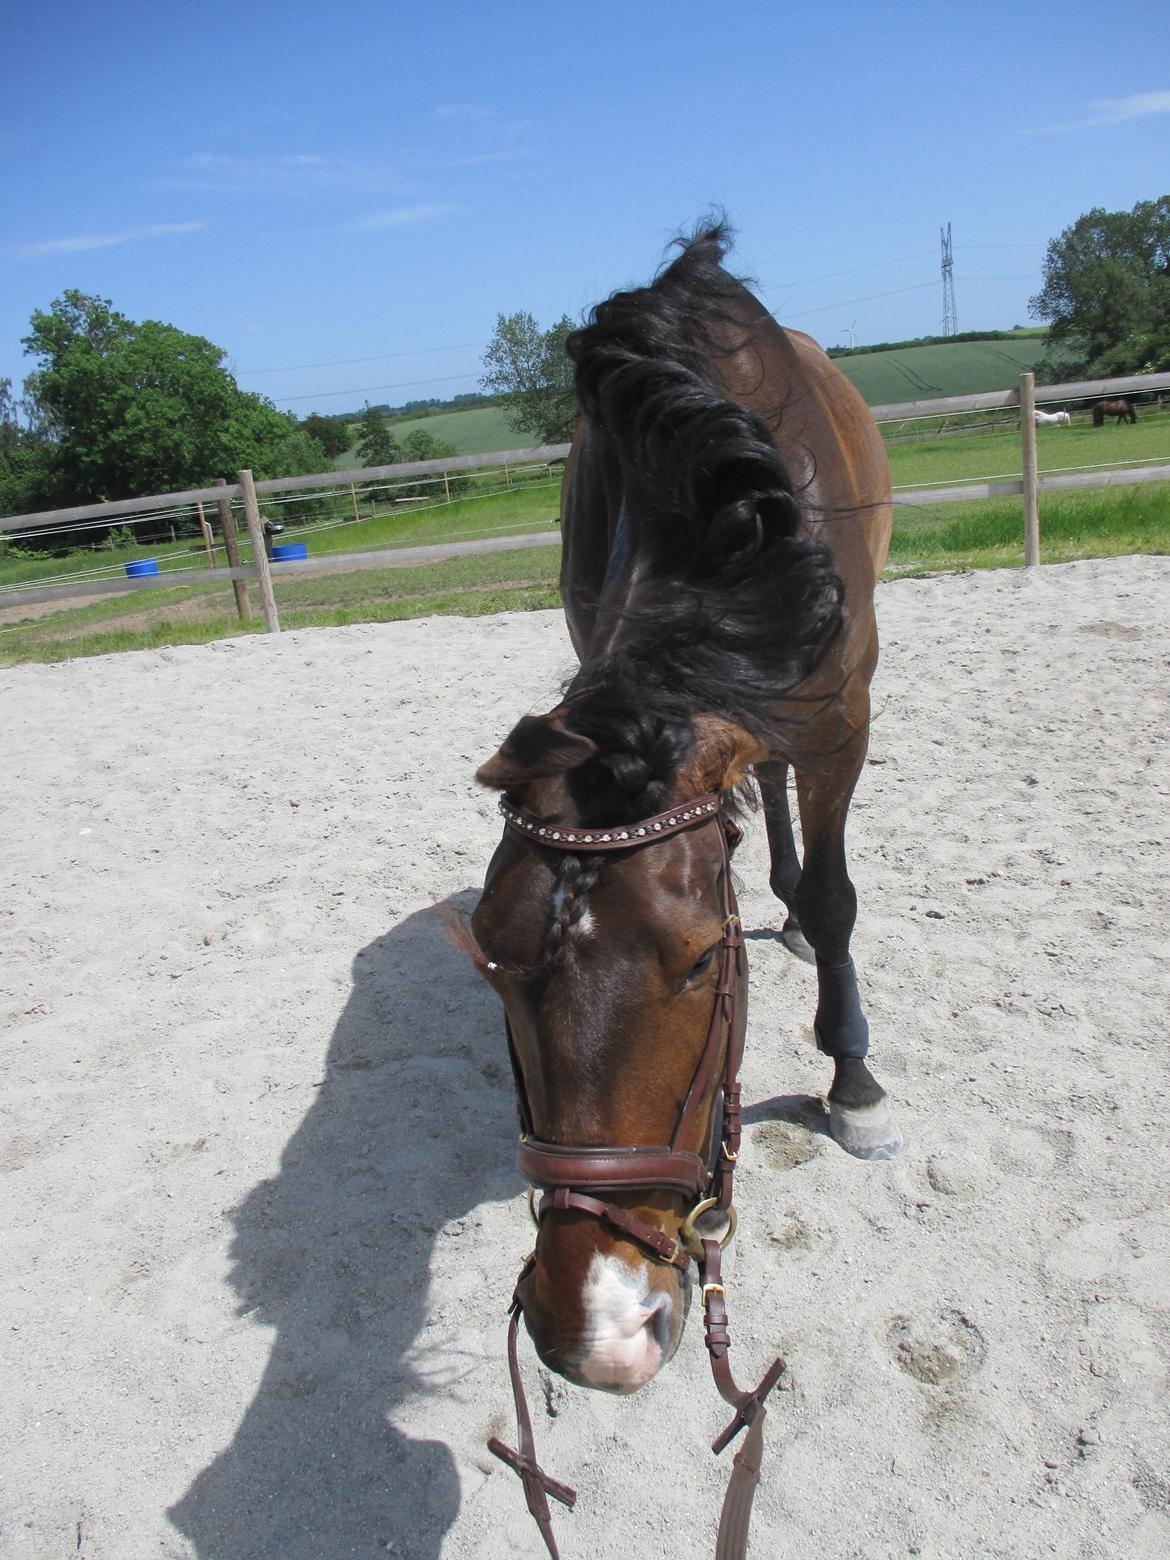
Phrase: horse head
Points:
(608, 967)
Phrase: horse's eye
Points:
(702, 965)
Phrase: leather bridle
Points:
(569, 1176)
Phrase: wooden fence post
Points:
(447, 487)
(353, 495)
(259, 554)
(231, 542)
(1028, 467)
(208, 547)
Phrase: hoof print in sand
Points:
(797, 1241)
(940, 1351)
(781, 1145)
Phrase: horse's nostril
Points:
(623, 1364)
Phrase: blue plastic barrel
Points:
(287, 551)
(135, 571)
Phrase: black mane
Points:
(733, 609)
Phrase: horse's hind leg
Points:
(772, 779)
(860, 1118)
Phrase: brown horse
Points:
(726, 514)
(1120, 407)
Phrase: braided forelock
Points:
(575, 878)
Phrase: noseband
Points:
(561, 1172)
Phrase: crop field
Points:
(954, 368)
(905, 374)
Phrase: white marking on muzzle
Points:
(623, 1351)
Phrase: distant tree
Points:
(9, 423)
(376, 445)
(527, 368)
(123, 409)
(21, 457)
(421, 445)
(330, 433)
(1107, 293)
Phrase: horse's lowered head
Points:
(607, 965)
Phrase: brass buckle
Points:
(532, 1213)
(711, 1289)
(728, 1156)
(689, 1237)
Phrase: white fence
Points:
(1029, 485)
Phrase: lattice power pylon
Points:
(950, 315)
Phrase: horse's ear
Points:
(538, 746)
(721, 755)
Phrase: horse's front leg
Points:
(772, 779)
(860, 1118)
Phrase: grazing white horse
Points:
(1053, 420)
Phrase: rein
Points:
(562, 1171)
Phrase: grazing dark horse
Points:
(1120, 407)
(726, 514)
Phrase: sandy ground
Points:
(259, 1216)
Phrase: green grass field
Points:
(1093, 523)
(480, 430)
(984, 456)
(926, 540)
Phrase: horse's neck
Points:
(619, 589)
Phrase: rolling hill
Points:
(893, 374)
(948, 368)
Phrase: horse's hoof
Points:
(795, 941)
(865, 1131)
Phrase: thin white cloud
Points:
(274, 173)
(405, 216)
(1117, 111)
(84, 241)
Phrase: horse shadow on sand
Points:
(412, 1128)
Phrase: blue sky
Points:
(309, 186)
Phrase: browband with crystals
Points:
(621, 837)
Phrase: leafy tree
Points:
(528, 369)
(419, 444)
(376, 445)
(125, 409)
(23, 453)
(9, 426)
(331, 433)
(1107, 293)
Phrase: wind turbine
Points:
(852, 333)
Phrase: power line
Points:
(411, 384)
(403, 384)
(843, 303)
(380, 357)
(875, 265)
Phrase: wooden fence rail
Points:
(232, 490)
(1030, 485)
